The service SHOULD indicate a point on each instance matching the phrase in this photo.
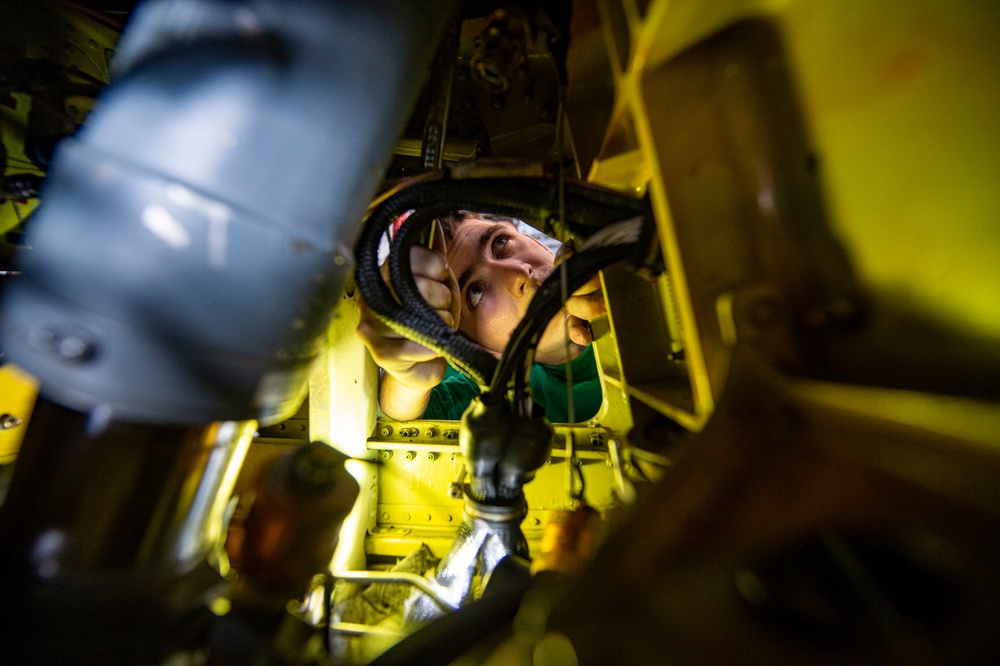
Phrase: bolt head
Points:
(8, 421)
(72, 346)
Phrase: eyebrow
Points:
(484, 241)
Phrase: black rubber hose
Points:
(585, 209)
(547, 302)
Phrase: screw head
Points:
(72, 346)
(8, 421)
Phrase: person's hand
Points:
(585, 304)
(411, 364)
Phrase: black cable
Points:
(546, 304)
(588, 209)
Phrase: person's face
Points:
(499, 270)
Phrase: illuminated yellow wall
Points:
(902, 100)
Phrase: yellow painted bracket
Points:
(18, 391)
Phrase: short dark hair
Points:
(450, 222)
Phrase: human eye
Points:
(474, 294)
(499, 243)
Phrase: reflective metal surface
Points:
(485, 537)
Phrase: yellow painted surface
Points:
(901, 103)
(18, 391)
(902, 100)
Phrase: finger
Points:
(591, 285)
(564, 252)
(438, 243)
(394, 354)
(369, 326)
(437, 294)
(588, 306)
(579, 331)
(427, 263)
(375, 333)
(447, 317)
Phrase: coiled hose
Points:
(585, 209)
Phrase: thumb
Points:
(564, 252)
(579, 331)
(438, 243)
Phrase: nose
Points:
(517, 279)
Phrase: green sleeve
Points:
(450, 398)
(549, 386)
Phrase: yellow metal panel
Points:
(18, 391)
(343, 386)
(900, 101)
(903, 99)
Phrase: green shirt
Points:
(450, 398)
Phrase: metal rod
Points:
(355, 629)
(396, 577)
